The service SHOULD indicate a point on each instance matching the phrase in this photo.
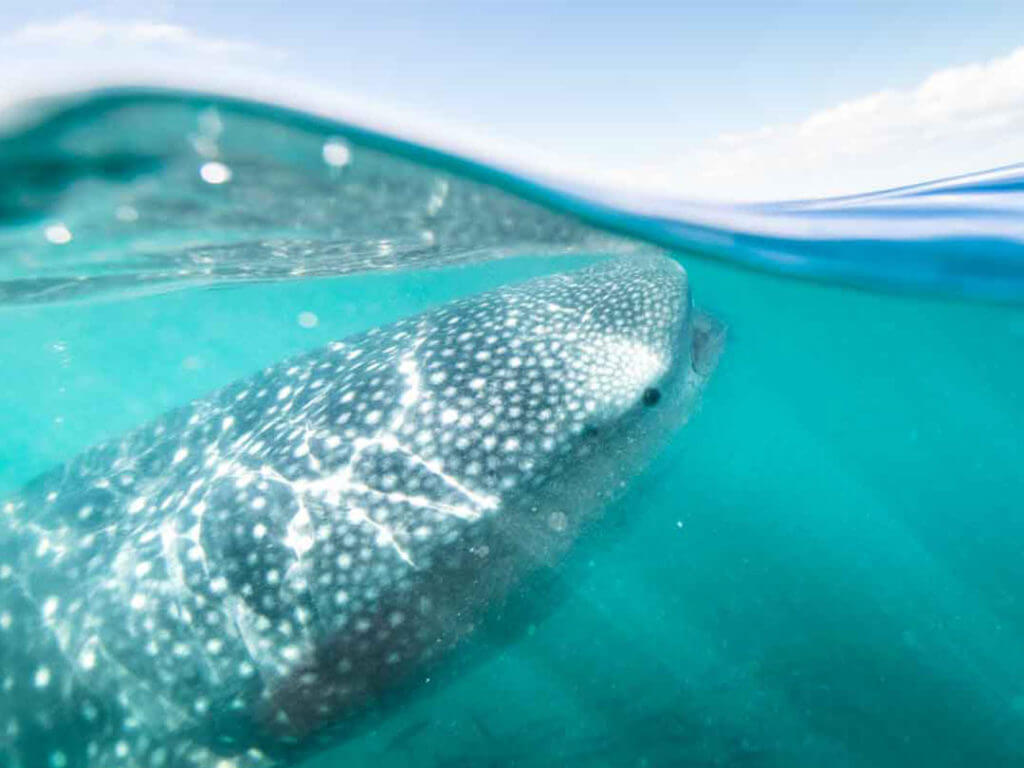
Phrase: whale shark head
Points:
(624, 358)
(490, 432)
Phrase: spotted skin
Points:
(227, 585)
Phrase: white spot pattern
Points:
(304, 537)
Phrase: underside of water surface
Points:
(113, 176)
(826, 565)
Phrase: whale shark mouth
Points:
(707, 338)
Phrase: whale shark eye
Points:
(651, 396)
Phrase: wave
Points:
(128, 190)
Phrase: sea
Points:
(824, 568)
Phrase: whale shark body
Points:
(228, 585)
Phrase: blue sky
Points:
(707, 99)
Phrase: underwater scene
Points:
(324, 448)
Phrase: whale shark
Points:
(231, 584)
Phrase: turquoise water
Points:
(824, 568)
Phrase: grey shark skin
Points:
(229, 584)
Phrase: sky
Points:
(724, 100)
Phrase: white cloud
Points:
(957, 120)
(85, 30)
(83, 51)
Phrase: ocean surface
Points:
(826, 567)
